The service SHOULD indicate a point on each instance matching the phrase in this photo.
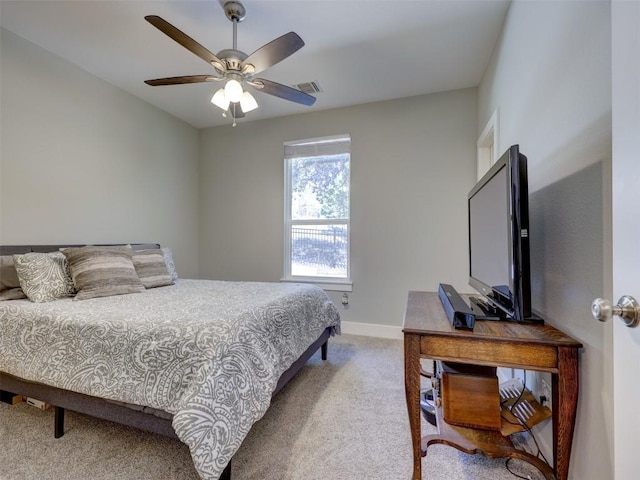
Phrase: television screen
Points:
(499, 240)
(489, 222)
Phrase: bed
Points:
(199, 359)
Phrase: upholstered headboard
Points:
(16, 249)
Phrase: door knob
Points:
(627, 309)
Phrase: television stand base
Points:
(483, 310)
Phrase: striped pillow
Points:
(151, 268)
(102, 271)
(12, 294)
(9, 283)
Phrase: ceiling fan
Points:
(235, 67)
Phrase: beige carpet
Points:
(341, 419)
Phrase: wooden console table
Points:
(428, 334)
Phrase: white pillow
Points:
(171, 266)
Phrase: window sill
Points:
(325, 284)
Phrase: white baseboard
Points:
(371, 330)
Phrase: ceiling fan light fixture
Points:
(247, 102)
(233, 90)
(220, 99)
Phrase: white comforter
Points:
(208, 352)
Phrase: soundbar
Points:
(458, 312)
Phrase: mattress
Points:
(210, 353)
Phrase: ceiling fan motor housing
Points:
(233, 58)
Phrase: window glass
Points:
(318, 174)
(320, 187)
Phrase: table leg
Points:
(565, 404)
(412, 391)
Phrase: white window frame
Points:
(326, 283)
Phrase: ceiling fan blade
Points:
(282, 91)
(183, 39)
(180, 80)
(273, 52)
(236, 111)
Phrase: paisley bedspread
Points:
(208, 352)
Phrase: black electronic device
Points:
(458, 312)
(499, 267)
(484, 310)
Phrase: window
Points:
(317, 195)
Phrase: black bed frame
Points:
(146, 419)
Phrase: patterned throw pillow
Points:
(102, 271)
(9, 282)
(171, 266)
(151, 268)
(44, 277)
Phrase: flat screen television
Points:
(499, 265)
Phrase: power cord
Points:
(524, 425)
(528, 477)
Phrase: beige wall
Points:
(550, 79)
(82, 161)
(413, 163)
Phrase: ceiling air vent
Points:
(309, 87)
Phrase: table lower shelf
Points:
(491, 444)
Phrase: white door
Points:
(625, 31)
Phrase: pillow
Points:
(9, 282)
(102, 271)
(44, 276)
(8, 274)
(151, 268)
(11, 294)
(171, 266)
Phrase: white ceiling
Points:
(359, 51)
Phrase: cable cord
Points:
(524, 425)
(506, 465)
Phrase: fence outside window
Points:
(319, 246)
